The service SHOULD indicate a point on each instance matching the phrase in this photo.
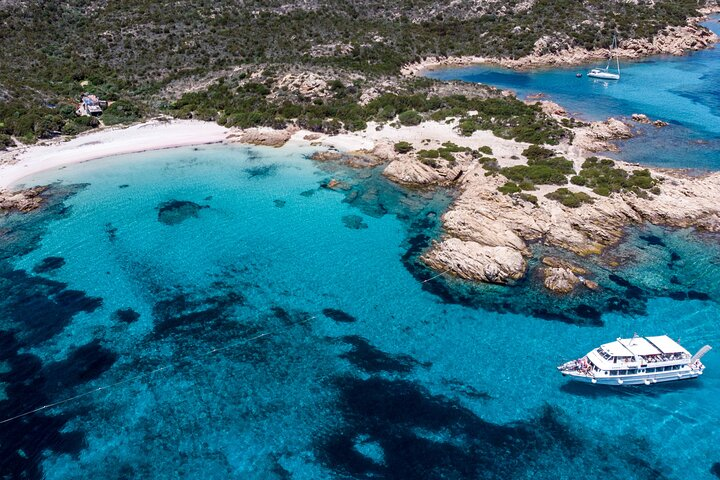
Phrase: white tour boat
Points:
(605, 73)
(636, 361)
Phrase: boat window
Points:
(603, 353)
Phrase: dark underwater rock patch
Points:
(632, 292)
(695, 295)
(425, 436)
(338, 315)
(653, 240)
(715, 469)
(174, 212)
(82, 364)
(49, 264)
(42, 307)
(261, 171)
(354, 222)
(617, 304)
(590, 313)
(466, 390)
(678, 295)
(191, 318)
(279, 203)
(111, 232)
(370, 359)
(619, 280)
(126, 315)
(124, 185)
(308, 193)
(25, 441)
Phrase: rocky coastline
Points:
(672, 40)
(488, 235)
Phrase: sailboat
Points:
(605, 73)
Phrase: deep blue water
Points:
(296, 338)
(681, 90)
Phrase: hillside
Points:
(140, 50)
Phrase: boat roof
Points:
(643, 346)
(666, 344)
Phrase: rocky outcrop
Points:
(21, 201)
(261, 136)
(560, 280)
(483, 222)
(598, 136)
(354, 159)
(410, 172)
(307, 84)
(640, 118)
(554, 262)
(673, 40)
(644, 119)
(473, 261)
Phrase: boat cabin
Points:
(645, 353)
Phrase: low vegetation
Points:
(604, 178)
(569, 198)
(403, 147)
(543, 168)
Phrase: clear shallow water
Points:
(681, 90)
(157, 259)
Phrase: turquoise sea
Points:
(683, 91)
(242, 320)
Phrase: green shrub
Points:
(528, 186)
(80, 124)
(429, 154)
(568, 198)
(122, 111)
(6, 141)
(486, 150)
(548, 171)
(410, 118)
(48, 126)
(528, 198)
(604, 178)
(578, 180)
(403, 147)
(536, 152)
(509, 188)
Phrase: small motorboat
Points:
(578, 75)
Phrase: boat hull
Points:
(604, 76)
(639, 379)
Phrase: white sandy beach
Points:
(19, 163)
(154, 135)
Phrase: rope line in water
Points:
(436, 276)
(152, 372)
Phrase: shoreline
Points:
(675, 41)
(22, 162)
(487, 235)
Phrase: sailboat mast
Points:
(614, 52)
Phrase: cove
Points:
(681, 90)
(300, 346)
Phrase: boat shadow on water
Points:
(602, 391)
